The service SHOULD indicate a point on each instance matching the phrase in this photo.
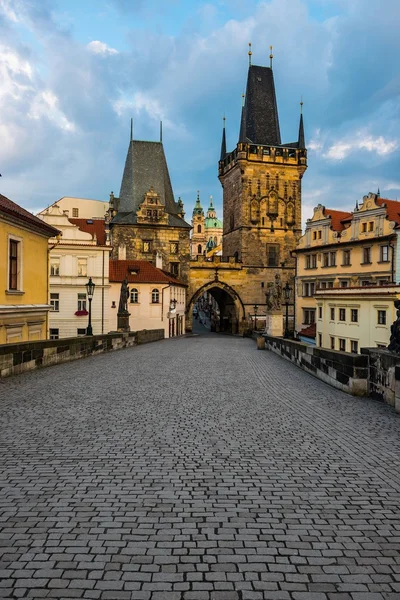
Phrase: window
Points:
(319, 312)
(81, 301)
(354, 346)
(155, 296)
(174, 247)
(13, 265)
(81, 332)
(54, 267)
(363, 227)
(346, 258)
(309, 316)
(75, 213)
(146, 246)
(314, 235)
(82, 267)
(319, 234)
(342, 314)
(365, 282)
(273, 255)
(134, 296)
(55, 302)
(384, 254)
(322, 285)
(320, 339)
(308, 261)
(332, 314)
(381, 317)
(371, 226)
(366, 256)
(308, 289)
(54, 334)
(332, 343)
(313, 261)
(384, 281)
(330, 284)
(354, 315)
(326, 259)
(198, 228)
(342, 345)
(344, 283)
(199, 249)
(332, 259)
(174, 268)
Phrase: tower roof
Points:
(198, 209)
(260, 123)
(223, 143)
(301, 142)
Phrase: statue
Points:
(123, 298)
(394, 343)
(274, 294)
(123, 314)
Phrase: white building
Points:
(81, 208)
(352, 318)
(156, 299)
(82, 251)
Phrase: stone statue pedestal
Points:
(274, 323)
(123, 321)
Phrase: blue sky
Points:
(73, 73)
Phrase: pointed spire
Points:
(250, 54)
(302, 142)
(161, 131)
(131, 129)
(242, 132)
(357, 204)
(223, 143)
(198, 209)
(378, 193)
(271, 56)
(211, 202)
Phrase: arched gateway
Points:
(231, 309)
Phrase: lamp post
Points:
(286, 290)
(90, 291)
(255, 316)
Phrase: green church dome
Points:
(213, 223)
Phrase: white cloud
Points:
(362, 141)
(45, 105)
(7, 10)
(98, 47)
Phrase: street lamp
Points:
(255, 316)
(172, 305)
(286, 291)
(90, 291)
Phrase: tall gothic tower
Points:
(261, 180)
(198, 239)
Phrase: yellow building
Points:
(345, 249)
(352, 318)
(24, 273)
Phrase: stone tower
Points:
(261, 180)
(198, 239)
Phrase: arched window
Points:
(215, 240)
(134, 296)
(199, 249)
(198, 228)
(155, 296)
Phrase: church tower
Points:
(261, 180)
(198, 239)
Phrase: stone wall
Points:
(345, 371)
(384, 375)
(28, 356)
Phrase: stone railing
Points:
(28, 356)
(383, 376)
(345, 371)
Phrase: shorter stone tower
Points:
(198, 240)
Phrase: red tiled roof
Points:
(14, 210)
(392, 209)
(310, 331)
(92, 226)
(146, 272)
(337, 217)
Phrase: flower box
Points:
(81, 313)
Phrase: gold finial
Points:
(301, 105)
(271, 56)
(224, 119)
(243, 97)
(250, 53)
(198, 194)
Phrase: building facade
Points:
(346, 249)
(156, 300)
(82, 208)
(145, 221)
(352, 318)
(206, 236)
(82, 251)
(24, 273)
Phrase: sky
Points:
(74, 72)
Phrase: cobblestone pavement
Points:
(193, 469)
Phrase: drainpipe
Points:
(393, 249)
(162, 303)
(49, 249)
(102, 297)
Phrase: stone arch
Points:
(219, 287)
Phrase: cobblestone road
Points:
(195, 469)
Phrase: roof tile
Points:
(14, 210)
(139, 271)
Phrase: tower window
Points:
(198, 228)
(272, 255)
(199, 249)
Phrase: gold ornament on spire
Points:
(243, 97)
(301, 105)
(250, 53)
(271, 56)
